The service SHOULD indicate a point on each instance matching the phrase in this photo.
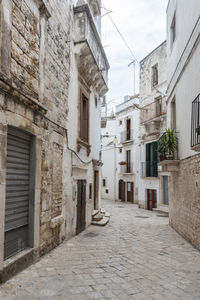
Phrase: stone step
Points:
(102, 222)
(95, 212)
(97, 217)
(160, 211)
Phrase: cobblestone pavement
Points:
(136, 256)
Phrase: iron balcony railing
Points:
(126, 136)
(195, 126)
(126, 169)
(149, 169)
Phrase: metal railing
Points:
(126, 169)
(195, 122)
(126, 136)
(149, 169)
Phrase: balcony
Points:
(126, 169)
(149, 169)
(126, 136)
(195, 127)
(91, 59)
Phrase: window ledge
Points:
(196, 148)
(81, 143)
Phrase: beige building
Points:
(53, 71)
(153, 84)
(183, 114)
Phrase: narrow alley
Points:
(136, 256)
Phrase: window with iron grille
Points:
(195, 124)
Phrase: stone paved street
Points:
(131, 258)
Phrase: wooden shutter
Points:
(155, 159)
(17, 191)
(147, 160)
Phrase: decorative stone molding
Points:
(169, 166)
(92, 61)
(81, 144)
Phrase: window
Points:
(104, 182)
(128, 129)
(84, 118)
(120, 150)
(107, 191)
(158, 106)
(120, 122)
(90, 191)
(155, 75)
(152, 160)
(128, 161)
(173, 113)
(173, 29)
(96, 101)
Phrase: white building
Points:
(120, 153)
(183, 114)
(152, 125)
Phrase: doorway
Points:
(20, 185)
(81, 205)
(96, 189)
(151, 199)
(130, 192)
(165, 190)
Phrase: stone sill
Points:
(171, 165)
(150, 178)
(196, 148)
(8, 262)
(83, 168)
(127, 142)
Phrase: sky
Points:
(143, 25)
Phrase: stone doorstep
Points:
(97, 217)
(159, 210)
(103, 222)
(95, 212)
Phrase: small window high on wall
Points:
(84, 118)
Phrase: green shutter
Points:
(147, 160)
(155, 159)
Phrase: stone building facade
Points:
(153, 84)
(120, 140)
(183, 111)
(45, 67)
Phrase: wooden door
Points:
(130, 192)
(96, 189)
(123, 191)
(81, 205)
(151, 199)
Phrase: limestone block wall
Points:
(184, 199)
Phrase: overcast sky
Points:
(143, 24)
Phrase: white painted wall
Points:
(183, 68)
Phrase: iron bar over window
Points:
(195, 126)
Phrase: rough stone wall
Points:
(40, 69)
(184, 200)
(25, 47)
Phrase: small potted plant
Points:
(168, 144)
(197, 130)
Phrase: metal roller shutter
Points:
(17, 191)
